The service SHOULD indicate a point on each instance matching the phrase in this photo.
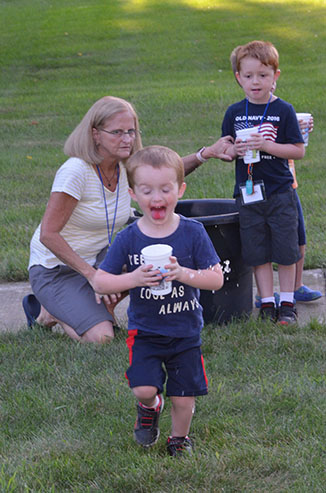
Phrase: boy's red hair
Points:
(264, 51)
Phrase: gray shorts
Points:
(269, 230)
(68, 296)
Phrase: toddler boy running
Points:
(163, 331)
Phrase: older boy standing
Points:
(302, 293)
(263, 188)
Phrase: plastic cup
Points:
(305, 131)
(251, 156)
(158, 256)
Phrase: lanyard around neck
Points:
(249, 182)
(110, 234)
(264, 114)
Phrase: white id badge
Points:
(258, 194)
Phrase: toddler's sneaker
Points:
(146, 430)
(178, 445)
(268, 311)
(258, 300)
(287, 313)
(306, 294)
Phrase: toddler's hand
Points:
(144, 276)
(174, 270)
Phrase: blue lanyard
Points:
(110, 234)
(264, 114)
(249, 182)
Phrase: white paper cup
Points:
(158, 256)
(251, 156)
(305, 132)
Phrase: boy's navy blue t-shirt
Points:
(179, 313)
(280, 125)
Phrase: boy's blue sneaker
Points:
(306, 294)
(146, 430)
(258, 300)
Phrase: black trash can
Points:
(221, 220)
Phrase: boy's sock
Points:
(156, 403)
(269, 299)
(286, 296)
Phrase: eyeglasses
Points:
(120, 133)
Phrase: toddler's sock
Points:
(156, 403)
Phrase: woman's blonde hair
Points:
(80, 142)
(156, 156)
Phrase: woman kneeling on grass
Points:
(89, 202)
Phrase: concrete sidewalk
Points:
(12, 317)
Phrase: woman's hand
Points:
(219, 149)
(108, 299)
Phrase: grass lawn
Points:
(171, 59)
(66, 413)
(67, 416)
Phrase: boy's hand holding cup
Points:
(304, 120)
(251, 156)
(158, 256)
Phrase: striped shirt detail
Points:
(86, 230)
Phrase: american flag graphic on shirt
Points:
(268, 130)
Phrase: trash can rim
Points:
(209, 219)
(229, 218)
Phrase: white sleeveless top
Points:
(86, 230)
